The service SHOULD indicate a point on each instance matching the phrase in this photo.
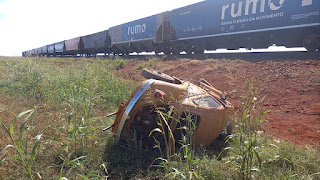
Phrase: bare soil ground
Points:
(291, 90)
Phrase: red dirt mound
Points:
(291, 90)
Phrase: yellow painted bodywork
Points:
(181, 96)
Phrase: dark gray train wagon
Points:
(51, 50)
(44, 50)
(33, 52)
(39, 51)
(143, 35)
(59, 48)
(234, 24)
(28, 53)
(96, 43)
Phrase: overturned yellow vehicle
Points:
(200, 101)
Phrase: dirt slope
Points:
(292, 90)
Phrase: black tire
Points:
(152, 74)
(189, 51)
(176, 52)
(167, 52)
(198, 51)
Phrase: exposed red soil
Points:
(291, 90)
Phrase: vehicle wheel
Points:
(199, 51)
(167, 51)
(189, 51)
(152, 74)
(176, 52)
(311, 43)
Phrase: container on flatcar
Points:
(139, 35)
(51, 49)
(59, 47)
(74, 46)
(96, 43)
(233, 24)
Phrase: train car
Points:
(143, 35)
(207, 25)
(51, 50)
(59, 48)
(28, 53)
(39, 51)
(96, 43)
(233, 24)
(73, 46)
(33, 53)
(44, 50)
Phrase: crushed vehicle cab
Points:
(175, 100)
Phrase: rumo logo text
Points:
(137, 29)
(250, 7)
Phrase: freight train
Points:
(207, 25)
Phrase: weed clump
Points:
(151, 63)
(21, 145)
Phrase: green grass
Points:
(72, 97)
(76, 94)
(55, 80)
(151, 63)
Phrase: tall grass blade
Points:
(25, 120)
(7, 130)
(6, 147)
(26, 145)
(83, 177)
(35, 146)
(155, 130)
(2, 160)
(17, 117)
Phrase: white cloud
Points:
(33, 23)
